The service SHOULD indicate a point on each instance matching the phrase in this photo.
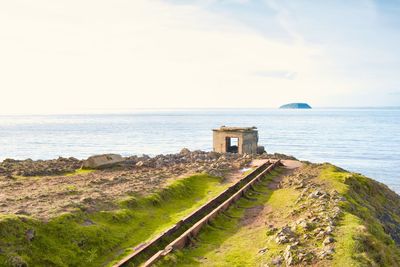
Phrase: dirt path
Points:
(264, 214)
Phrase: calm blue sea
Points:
(360, 140)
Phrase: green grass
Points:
(79, 171)
(281, 198)
(371, 211)
(225, 243)
(363, 234)
(82, 239)
(347, 232)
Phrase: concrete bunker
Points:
(242, 140)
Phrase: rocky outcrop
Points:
(309, 237)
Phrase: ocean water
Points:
(361, 140)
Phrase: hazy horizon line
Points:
(127, 111)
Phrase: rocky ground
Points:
(45, 189)
(313, 218)
(13, 168)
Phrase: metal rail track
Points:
(179, 235)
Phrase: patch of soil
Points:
(48, 196)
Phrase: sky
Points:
(70, 56)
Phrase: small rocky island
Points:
(296, 106)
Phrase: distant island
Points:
(296, 106)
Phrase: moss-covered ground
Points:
(97, 238)
(366, 233)
(370, 210)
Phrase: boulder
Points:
(260, 150)
(102, 161)
(184, 151)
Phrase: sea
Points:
(363, 140)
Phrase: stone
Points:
(288, 255)
(304, 224)
(326, 253)
(281, 239)
(263, 250)
(260, 149)
(315, 194)
(30, 234)
(139, 164)
(102, 161)
(271, 230)
(286, 230)
(88, 222)
(277, 261)
(328, 240)
(184, 151)
(22, 212)
(16, 261)
(329, 230)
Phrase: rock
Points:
(184, 151)
(288, 255)
(329, 230)
(299, 186)
(326, 253)
(271, 230)
(16, 261)
(88, 222)
(30, 234)
(260, 149)
(281, 239)
(139, 164)
(303, 224)
(287, 231)
(262, 251)
(285, 235)
(277, 261)
(102, 161)
(327, 240)
(22, 212)
(315, 194)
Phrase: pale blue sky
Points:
(360, 39)
(82, 56)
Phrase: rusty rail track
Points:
(179, 235)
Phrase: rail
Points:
(179, 235)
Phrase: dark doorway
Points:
(232, 144)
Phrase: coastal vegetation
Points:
(91, 239)
(358, 230)
(311, 214)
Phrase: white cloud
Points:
(76, 56)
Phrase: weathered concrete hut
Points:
(235, 140)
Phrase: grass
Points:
(370, 217)
(364, 236)
(36, 177)
(225, 243)
(92, 239)
(79, 171)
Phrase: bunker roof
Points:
(236, 129)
